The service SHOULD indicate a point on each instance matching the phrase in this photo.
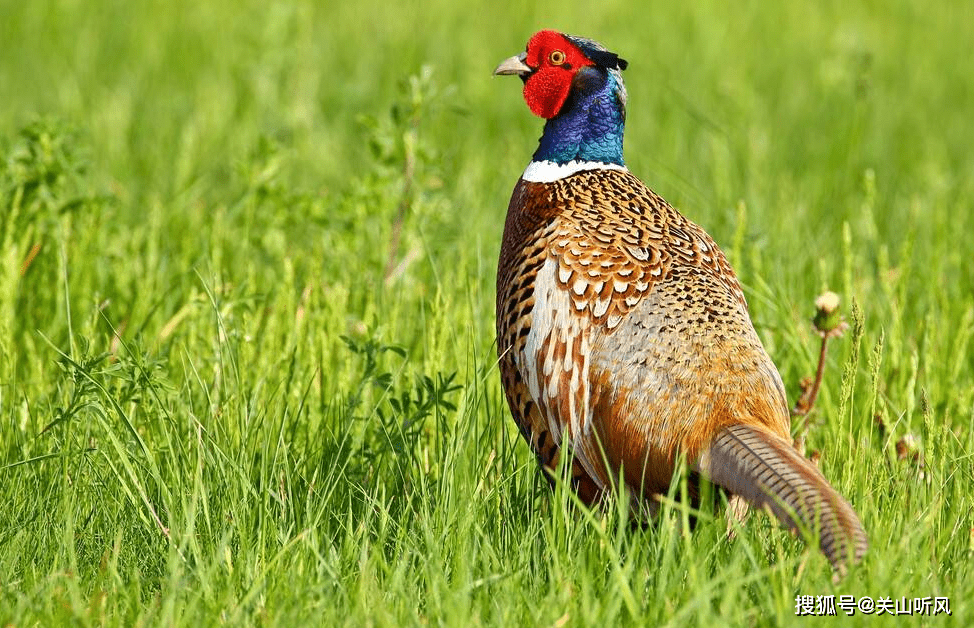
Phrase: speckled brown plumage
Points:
(654, 314)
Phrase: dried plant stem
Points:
(810, 394)
(408, 174)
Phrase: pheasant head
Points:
(576, 85)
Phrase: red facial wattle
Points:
(555, 60)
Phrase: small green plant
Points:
(394, 415)
(406, 156)
(43, 186)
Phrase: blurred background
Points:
(167, 93)
(775, 126)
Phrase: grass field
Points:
(247, 260)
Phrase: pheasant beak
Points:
(514, 65)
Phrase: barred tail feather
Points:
(769, 473)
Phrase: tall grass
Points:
(247, 369)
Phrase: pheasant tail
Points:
(769, 473)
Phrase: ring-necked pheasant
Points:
(622, 331)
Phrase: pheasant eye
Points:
(557, 57)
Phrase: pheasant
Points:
(623, 334)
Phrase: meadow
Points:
(247, 265)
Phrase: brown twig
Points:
(34, 250)
(810, 387)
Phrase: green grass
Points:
(219, 406)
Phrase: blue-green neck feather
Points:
(591, 123)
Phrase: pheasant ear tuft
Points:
(608, 60)
(598, 54)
